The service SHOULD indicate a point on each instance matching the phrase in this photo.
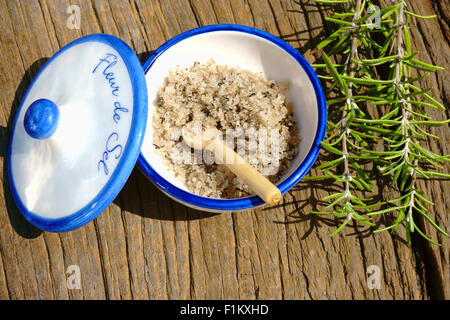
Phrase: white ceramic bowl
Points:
(255, 50)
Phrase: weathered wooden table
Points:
(148, 246)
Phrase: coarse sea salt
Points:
(248, 109)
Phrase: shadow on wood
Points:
(143, 56)
(140, 196)
(18, 222)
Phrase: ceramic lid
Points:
(77, 133)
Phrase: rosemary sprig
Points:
(406, 120)
(347, 141)
(355, 82)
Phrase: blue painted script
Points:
(117, 108)
(109, 61)
(111, 147)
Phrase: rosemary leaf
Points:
(419, 16)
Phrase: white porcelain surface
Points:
(60, 175)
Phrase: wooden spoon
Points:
(210, 139)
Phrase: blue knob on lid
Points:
(41, 119)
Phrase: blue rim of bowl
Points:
(287, 184)
(129, 155)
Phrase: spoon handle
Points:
(258, 183)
